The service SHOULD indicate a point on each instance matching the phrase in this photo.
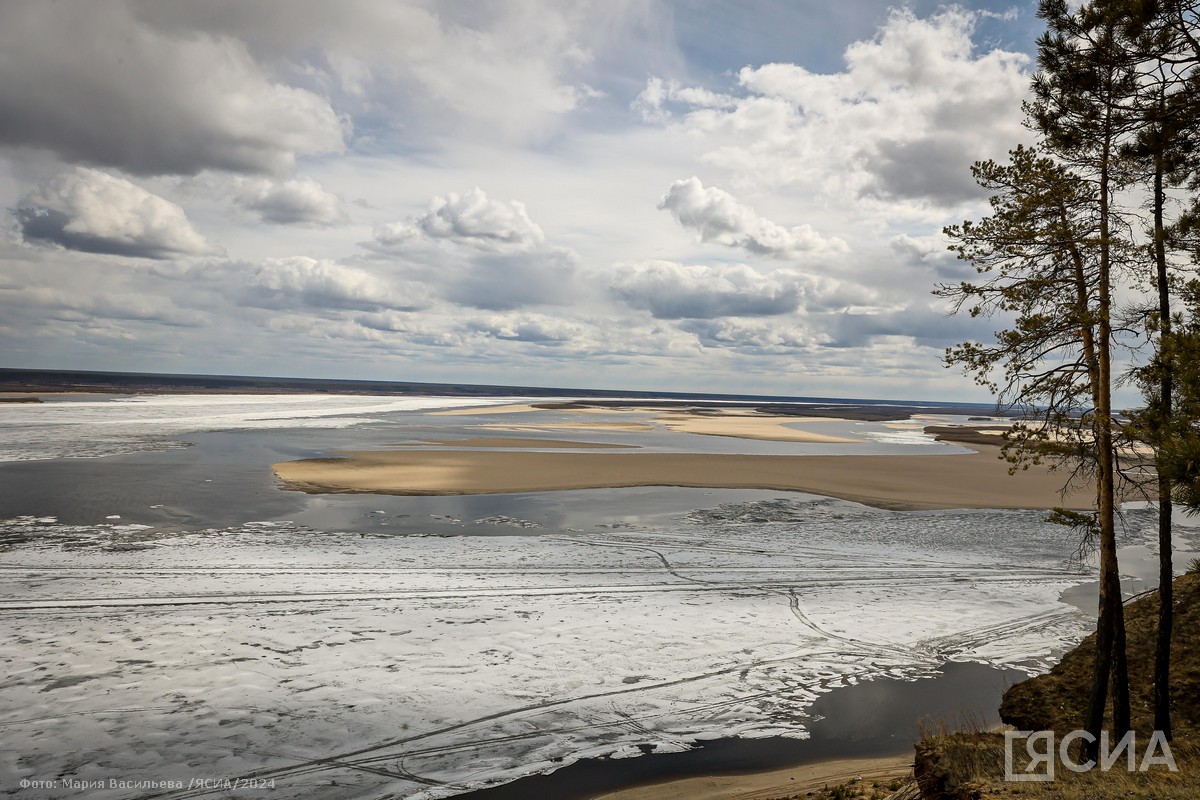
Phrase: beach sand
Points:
(747, 425)
(513, 442)
(738, 423)
(586, 425)
(781, 783)
(975, 480)
(506, 408)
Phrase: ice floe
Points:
(424, 666)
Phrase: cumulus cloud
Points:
(535, 329)
(300, 201)
(69, 306)
(913, 108)
(482, 253)
(471, 220)
(302, 282)
(676, 291)
(755, 338)
(718, 217)
(95, 84)
(94, 212)
(508, 71)
(237, 100)
(930, 254)
(474, 219)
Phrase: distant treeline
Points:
(57, 381)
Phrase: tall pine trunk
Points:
(1110, 661)
(1166, 388)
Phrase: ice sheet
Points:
(341, 663)
(344, 664)
(68, 427)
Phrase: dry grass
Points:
(853, 790)
(971, 765)
(960, 761)
(1057, 700)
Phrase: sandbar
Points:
(507, 408)
(596, 425)
(738, 423)
(743, 425)
(769, 785)
(916, 482)
(513, 442)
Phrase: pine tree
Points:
(1083, 95)
(1160, 37)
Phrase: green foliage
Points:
(1038, 264)
(1084, 522)
(1173, 432)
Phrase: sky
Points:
(738, 197)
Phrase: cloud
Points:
(934, 168)
(931, 255)
(507, 281)
(482, 253)
(94, 212)
(535, 329)
(418, 71)
(94, 83)
(756, 338)
(475, 220)
(720, 218)
(79, 307)
(675, 291)
(923, 323)
(300, 201)
(246, 111)
(913, 108)
(302, 282)
(651, 104)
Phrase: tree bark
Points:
(1166, 571)
(1110, 629)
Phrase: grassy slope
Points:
(970, 764)
(1057, 700)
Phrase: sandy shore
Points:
(506, 408)
(747, 425)
(583, 425)
(773, 784)
(738, 423)
(975, 480)
(513, 443)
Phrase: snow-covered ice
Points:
(348, 663)
(89, 427)
(427, 665)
